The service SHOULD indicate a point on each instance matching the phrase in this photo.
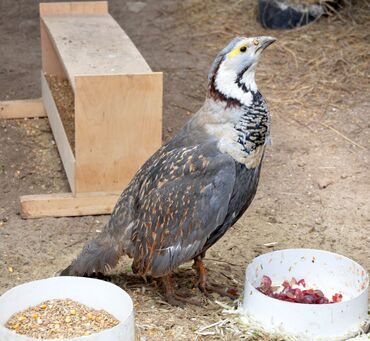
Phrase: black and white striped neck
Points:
(253, 125)
(235, 90)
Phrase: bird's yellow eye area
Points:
(236, 51)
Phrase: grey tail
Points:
(97, 256)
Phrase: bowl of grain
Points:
(66, 308)
(310, 294)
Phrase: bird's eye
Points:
(243, 49)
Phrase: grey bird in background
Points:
(196, 186)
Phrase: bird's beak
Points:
(263, 42)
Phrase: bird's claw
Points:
(180, 301)
(207, 289)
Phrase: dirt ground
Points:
(315, 184)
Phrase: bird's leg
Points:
(170, 295)
(201, 269)
(207, 288)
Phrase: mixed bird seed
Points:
(59, 319)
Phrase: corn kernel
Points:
(15, 326)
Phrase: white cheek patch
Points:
(225, 83)
(248, 79)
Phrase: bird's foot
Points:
(180, 301)
(173, 298)
(207, 289)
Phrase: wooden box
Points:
(117, 101)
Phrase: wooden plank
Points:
(67, 205)
(118, 122)
(93, 45)
(74, 8)
(22, 108)
(64, 148)
(49, 55)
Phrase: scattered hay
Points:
(232, 325)
(310, 70)
(325, 64)
(235, 326)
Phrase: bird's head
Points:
(231, 77)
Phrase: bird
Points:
(195, 186)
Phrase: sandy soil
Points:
(315, 184)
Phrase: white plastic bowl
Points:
(94, 293)
(327, 271)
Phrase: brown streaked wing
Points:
(182, 200)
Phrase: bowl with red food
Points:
(310, 294)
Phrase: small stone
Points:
(272, 220)
(135, 6)
(324, 182)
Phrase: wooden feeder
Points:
(118, 107)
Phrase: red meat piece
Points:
(296, 295)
